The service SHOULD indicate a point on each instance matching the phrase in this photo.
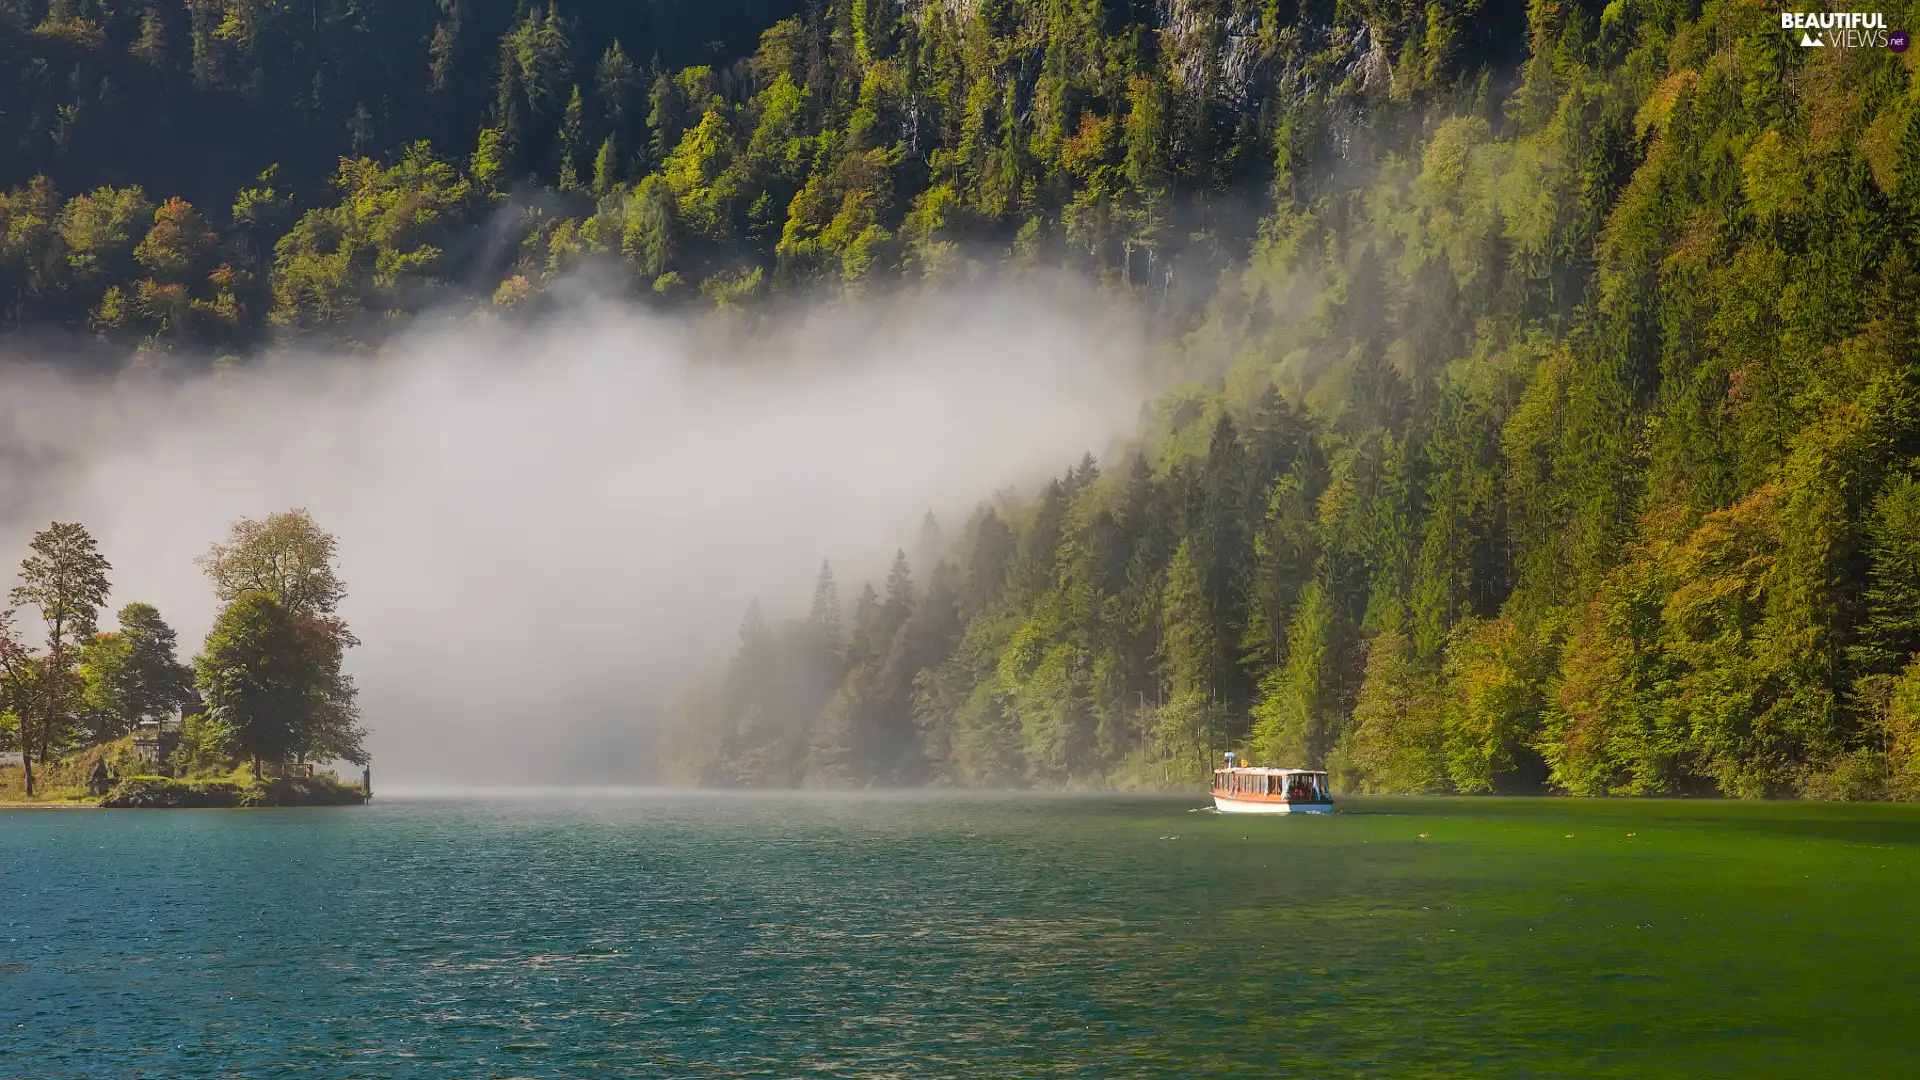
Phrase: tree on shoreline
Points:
(132, 674)
(286, 556)
(252, 677)
(66, 579)
(16, 685)
(271, 671)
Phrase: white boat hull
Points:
(1248, 806)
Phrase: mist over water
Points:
(546, 528)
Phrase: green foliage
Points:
(1890, 635)
(254, 677)
(102, 664)
(149, 792)
(66, 778)
(132, 675)
(271, 670)
(1492, 705)
(1899, 733)
(99, 231)
(207, 747)
(1398, 734)
(390, 223)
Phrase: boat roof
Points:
(1267, 770)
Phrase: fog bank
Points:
(545, 528)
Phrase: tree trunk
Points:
(53, 673)
(256, 766)
(53, 696)
(26, 752)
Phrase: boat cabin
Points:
(1248, 784)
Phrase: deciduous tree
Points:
(65, 578)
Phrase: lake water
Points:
(661, 935)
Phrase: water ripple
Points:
(676, 937)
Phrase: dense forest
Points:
(1569, 431)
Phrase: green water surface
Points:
(784, 936)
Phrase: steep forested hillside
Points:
(1569, 435)
(1569, 442)
(213, 172)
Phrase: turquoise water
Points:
(791, 936)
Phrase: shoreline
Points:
(169, 793)
(4, 806)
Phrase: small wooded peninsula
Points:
(114, 718)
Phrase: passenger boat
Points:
(1245, 789)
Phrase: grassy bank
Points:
(164, 792)
(64, 780)
(64, 783)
